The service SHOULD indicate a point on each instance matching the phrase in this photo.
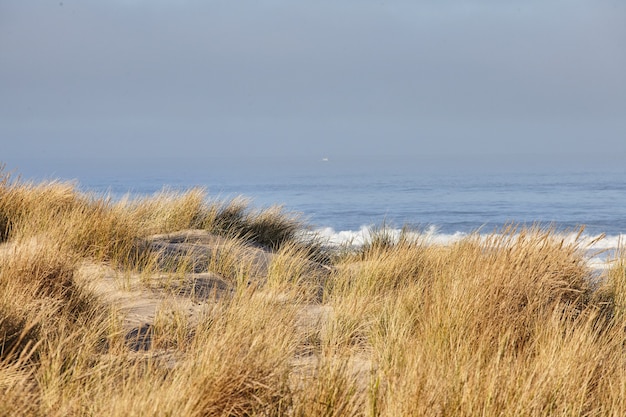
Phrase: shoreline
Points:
(192, 306)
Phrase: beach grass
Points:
(253, 320)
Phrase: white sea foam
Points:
(432, 235)
(600, 250)
(606, 243)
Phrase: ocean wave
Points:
(329, 236)
(595, 245)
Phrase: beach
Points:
(178, 304)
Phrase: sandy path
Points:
(139, 299)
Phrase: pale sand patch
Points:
(138, 298)
(203, 248)
(138, 304)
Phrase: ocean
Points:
(342, 198)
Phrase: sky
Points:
(324, 78)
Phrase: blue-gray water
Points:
(347, 194)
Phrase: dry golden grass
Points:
(509, 324)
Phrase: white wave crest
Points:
(359, 237)
(601, 251)
(431, 235)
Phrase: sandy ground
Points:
(138, 298)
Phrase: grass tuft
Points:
(239, 315)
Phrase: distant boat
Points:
(324, 159)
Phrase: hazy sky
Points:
(311, 77)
